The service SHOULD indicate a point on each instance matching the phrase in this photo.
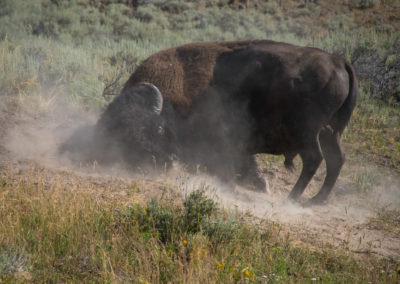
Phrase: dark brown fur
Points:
(268, 97)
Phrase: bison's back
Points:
(285, 73)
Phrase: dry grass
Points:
(64, 227)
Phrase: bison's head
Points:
(133, 127)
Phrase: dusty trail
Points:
(28, 149)
(345, 222)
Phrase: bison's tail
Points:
(344, 113)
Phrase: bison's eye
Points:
(160, 130)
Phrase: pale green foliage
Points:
(12, 261)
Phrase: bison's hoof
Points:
(259, 185)
(293, 196)
(316, 200)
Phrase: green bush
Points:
(168, 223)
(12, 261)
(198, 210)
(364, 4)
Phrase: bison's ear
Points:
(155, 98)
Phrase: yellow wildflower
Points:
(220, 265)
(247, 273)
(183, 240)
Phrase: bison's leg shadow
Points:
(334, 158)
(311, 156)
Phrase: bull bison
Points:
(218, 103)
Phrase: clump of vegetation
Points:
(12, 261)
(364, 4)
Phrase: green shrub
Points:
(12, 261)
(198, 209)
(364, 4)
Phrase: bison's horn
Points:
(157, 99)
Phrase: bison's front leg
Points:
(247, 174)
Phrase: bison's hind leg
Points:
(311, 157)
(334, 158)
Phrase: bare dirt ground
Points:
(28, 152)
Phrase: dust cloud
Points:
(34, 134)
(271, 205)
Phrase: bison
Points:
(217, 104)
